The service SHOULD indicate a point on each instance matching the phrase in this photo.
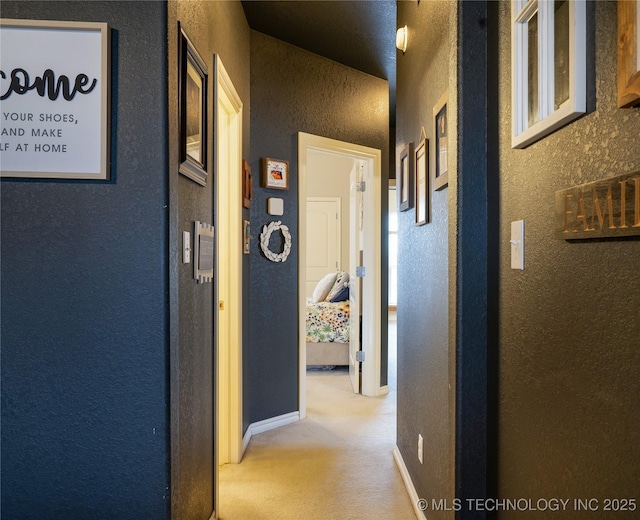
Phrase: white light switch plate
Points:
(186, 247)
(517, 245)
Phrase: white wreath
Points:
(265, 237)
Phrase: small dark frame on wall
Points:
(441, 124)
(247, 186)
(193, 112)
(628, 53)
(406, 177)
(275, 174)
(422, 182)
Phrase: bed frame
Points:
(327, 354)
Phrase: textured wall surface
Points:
(84, 302)
(213, 28)
(423, 287)
(295, 91)
(570, 322)
(475, 240)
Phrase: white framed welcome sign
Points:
(54, 99)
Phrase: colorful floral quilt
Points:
(328, 322)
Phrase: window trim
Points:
(549, 119)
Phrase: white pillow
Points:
(323, 287)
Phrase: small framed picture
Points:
(275, 174)
(441, 170)
(406, 177)
(247, 186)
(246, 236)
(422, 182)
(193, 113)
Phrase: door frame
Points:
(372, 350)
(228, 363)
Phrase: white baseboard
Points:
(246, 439)
(384, 390)
(268, 424)
(408, 484)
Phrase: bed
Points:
(327, 325)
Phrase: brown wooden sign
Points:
(602, 209)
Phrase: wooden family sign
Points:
(602, 209)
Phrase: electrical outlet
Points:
(420, 451)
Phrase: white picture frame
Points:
(56, 96)
(535, 110)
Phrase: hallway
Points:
(337, 463)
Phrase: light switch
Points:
(517, 245)
(186, 247)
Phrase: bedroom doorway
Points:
(228, 233)
(370, 161)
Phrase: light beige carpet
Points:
(336, 464)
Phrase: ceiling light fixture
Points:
(401, 39)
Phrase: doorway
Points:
(228, 225)
(370, 161)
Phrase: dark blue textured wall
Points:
(85, 305)
(477, 224)
(214, 28)
(424, 384)
(295, 91)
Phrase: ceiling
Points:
(359, 34)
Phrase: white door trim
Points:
(373, 234)
(228, 152)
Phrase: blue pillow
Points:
(340, 290)
(342, 296)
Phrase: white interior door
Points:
(323, 238)
(356, 208)
(223, 237)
